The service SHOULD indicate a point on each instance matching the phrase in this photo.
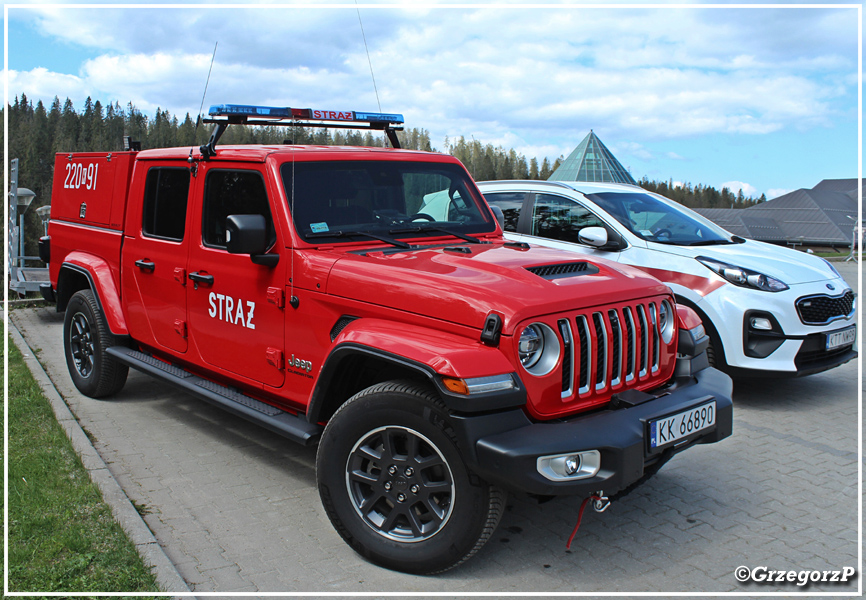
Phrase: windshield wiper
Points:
(423, 228)
(339, 233)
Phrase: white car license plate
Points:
(842, 337)
(676, 427)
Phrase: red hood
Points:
(463, 288)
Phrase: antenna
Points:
(192, 165)
(370, 62)
(206, 83)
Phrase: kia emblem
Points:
(831, 287)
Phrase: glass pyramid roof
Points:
(591, 161)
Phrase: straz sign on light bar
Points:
(681, 425)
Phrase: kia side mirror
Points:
(601, 238)
(593, 236)
(248, 234)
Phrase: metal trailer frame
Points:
(22, 279)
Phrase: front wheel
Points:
(86, 336)
(394, 485)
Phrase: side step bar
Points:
(294, 427)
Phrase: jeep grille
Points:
(611, 349)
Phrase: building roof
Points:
(591, 161)
(825, 214)
(738, 222)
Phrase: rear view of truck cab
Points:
(364, 299)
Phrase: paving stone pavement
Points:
(235, 507)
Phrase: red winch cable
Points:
(579, 517)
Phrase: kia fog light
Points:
(761, 323)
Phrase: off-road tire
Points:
(379, 435)
(86, 336)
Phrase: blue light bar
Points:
(224, 110)
(252, 111)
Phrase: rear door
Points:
(236, 312)
(153, 275)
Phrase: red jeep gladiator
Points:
(365, 299)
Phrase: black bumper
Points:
(503, 448)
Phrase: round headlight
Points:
(666, 322)
(538, 349)
(530, 346)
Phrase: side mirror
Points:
(500, 216)
(601, 238)
(248, 234)
(593, 236)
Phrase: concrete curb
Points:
(167, 576)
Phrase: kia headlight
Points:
(743, 277)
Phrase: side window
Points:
(560, 218)
(230, 192)
(510, 203)
(166, 191)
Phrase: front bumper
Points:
(503, 448)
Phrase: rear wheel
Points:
(86, 336)
(394, 485)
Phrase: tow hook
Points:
(600, 502)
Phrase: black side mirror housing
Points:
(248, 234)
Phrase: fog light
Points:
(761, 323)
(567, 467)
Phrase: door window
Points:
(510, 203)
(166, 191)
(560, 218)
(233, 192)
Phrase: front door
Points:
(236, 312)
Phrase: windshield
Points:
(333, 200)
(655, 220)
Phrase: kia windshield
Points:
(341, 201)
(652, 219)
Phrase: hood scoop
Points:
(562, 270)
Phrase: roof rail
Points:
(243, 114)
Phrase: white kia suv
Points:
(769, 310)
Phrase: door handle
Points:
(198, 278)
(145, 265)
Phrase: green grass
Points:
(62, 536)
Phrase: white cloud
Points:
(736, 186)
(43, 84)
(536, 80)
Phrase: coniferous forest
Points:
(37, 132)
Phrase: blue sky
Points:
(759, 98)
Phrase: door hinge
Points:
(277, 296)
(180, 275)
(275, 357)
(180, 327)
